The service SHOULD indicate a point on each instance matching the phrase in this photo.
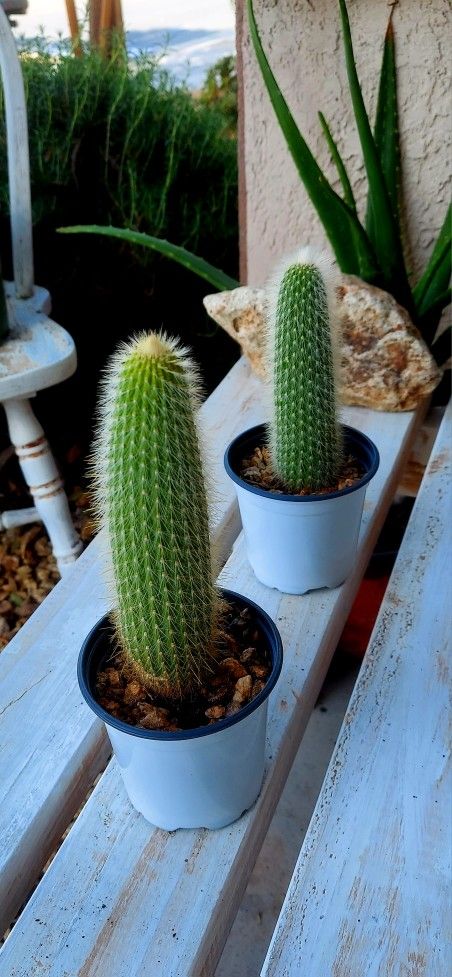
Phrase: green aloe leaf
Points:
(337, 217)
(441, 346)
(386, 132)
(429, 322)
(217, 278)
(338, 162)
(435, 280)
(440, 303)
(345, 182)
(387, 243)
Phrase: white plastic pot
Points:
(199, 778)
(298, 543)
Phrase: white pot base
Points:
(298, 591)
(200, 782)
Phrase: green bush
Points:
(113, 142)
(126, 145)
(220, 90)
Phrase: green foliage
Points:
(187, 259)
(115, 142)
(386, 237)
(338, 162)
(341, 224)
(386, 131)
(220, 91)
(151, 499)
(373, 252)
(433, 288)
(305, 436)
(122, 144)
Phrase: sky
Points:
(197, 32)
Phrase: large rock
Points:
(241, 312)
(385, 363)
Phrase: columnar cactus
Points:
(152, 503)
(305, 436)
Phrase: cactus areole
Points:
(305, 435)
(152, 503)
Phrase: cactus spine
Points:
(305, 436)
(151, 500)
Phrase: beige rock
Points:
(155, 717)
(233, 668)
(241, 313)
(385, 364)
(242, 691)
(215, 712)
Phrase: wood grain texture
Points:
(370, 895)
(122, 898)
(52, 747)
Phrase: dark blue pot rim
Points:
(91, 655)
(358, 444)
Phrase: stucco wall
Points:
(303, 42)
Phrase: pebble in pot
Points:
(301, 481)
(151, 661)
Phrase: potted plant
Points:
(301, 482)
(180, 673)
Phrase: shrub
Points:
(120, 143)
(220, 90)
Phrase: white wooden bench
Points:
(120, 897)
(370, 895)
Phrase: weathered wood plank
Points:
(123, 898)
(370, 894)
(420, 453)
(51, 748)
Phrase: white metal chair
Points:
(37, 353)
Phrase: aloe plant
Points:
(305, 436)
(374, 251)
(386, 132)
(217, 278)
(151, 500)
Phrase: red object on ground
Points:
(358, 629)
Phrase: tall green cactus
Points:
(305, 436)
(151, 499)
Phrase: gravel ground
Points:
(28, 571)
